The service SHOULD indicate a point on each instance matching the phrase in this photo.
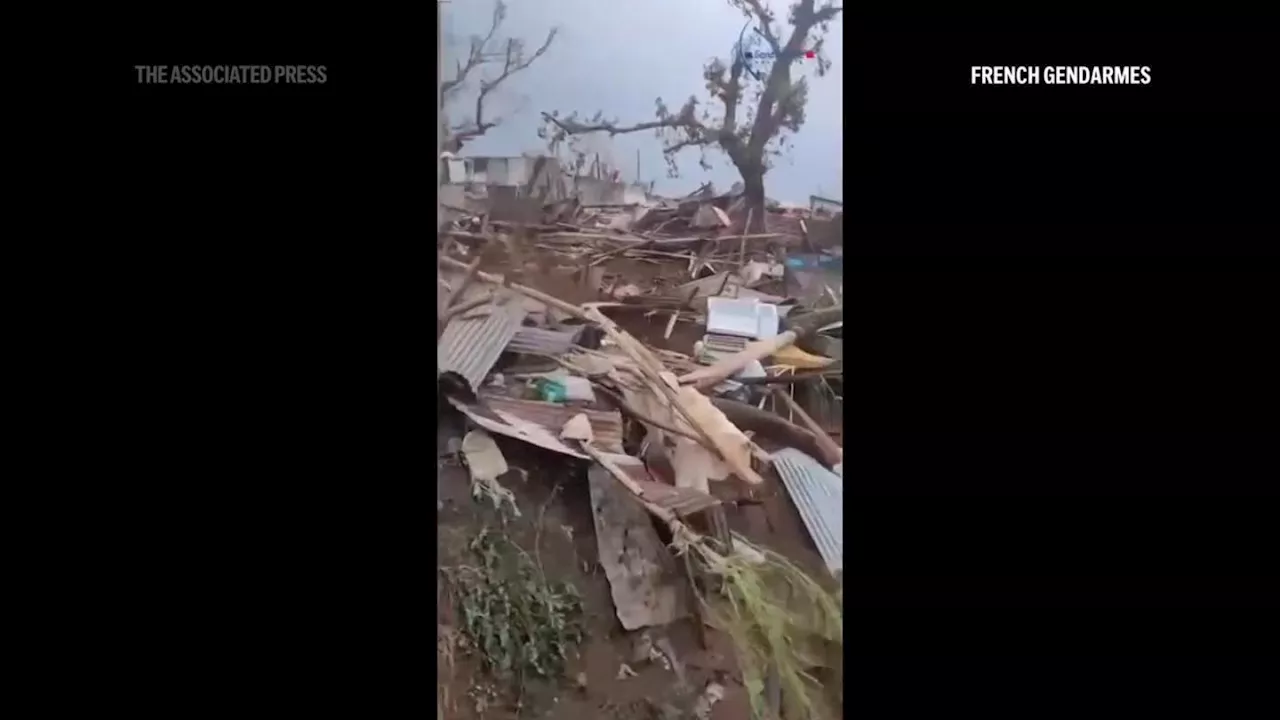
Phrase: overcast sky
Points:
(618, 56)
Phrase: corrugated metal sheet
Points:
(606, 425)
(526, 432)
(542, 341)
(470, 345)
(818, 494)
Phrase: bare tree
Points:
(490, 61)
(757, 110)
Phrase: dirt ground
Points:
(559, 531)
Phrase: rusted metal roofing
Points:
(540, 423)
(532, 434)
(473, 341)
(541, 341)
(606, 425)
(681, 501)
(818, 494)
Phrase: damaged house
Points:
(468, 182)
(474, 183)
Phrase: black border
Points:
(255, 266)
(1061, 447)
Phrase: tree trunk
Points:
(753, 189)
(749, 417)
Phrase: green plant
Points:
(780, 620)
(519, 624)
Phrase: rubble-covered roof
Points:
(544, 341)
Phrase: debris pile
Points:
(695, 367)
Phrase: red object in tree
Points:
(810, 53)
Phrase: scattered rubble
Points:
(696, 368)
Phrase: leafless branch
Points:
(574, 127)
(755, 109)
(513, 61)
(682, 144)
(476, 55)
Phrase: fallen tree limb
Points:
(763, 422)
(715, 374)
(806, 323)
(792, 378)
(832, 453)
(650, 370)
(718, 372)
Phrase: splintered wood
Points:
(649, 369)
